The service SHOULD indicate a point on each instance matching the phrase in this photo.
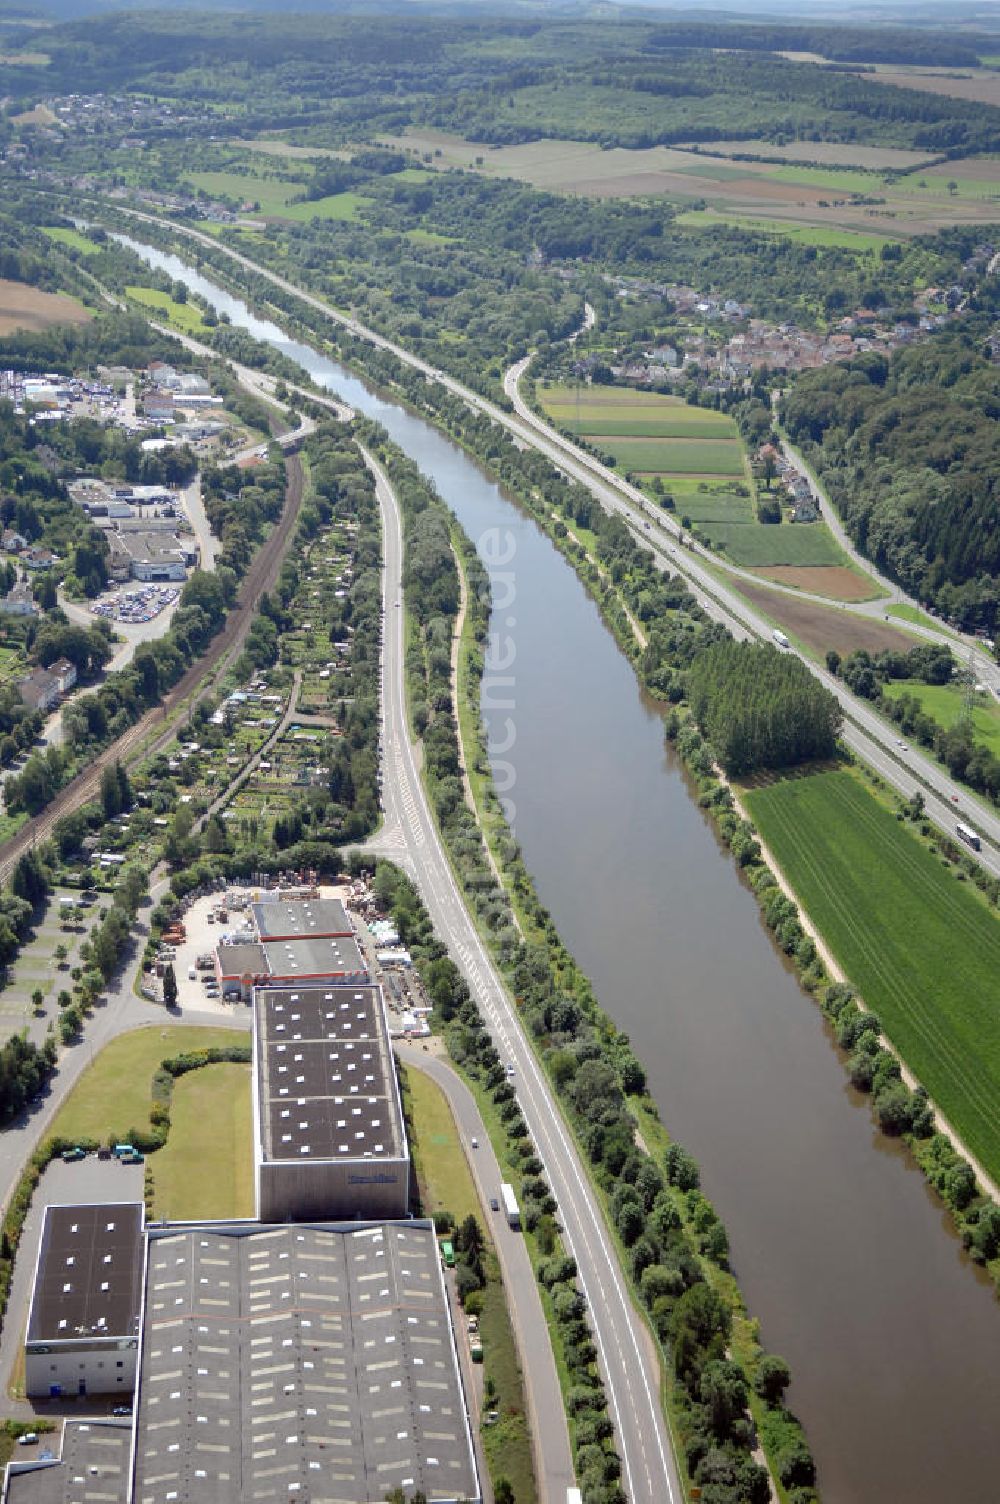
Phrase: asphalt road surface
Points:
(549, 1432)
(628, 1359)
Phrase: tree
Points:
(503, 1492)
(833, 661)
(724, 1394)
(772, 1378)
(170, 987)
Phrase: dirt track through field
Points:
(260, 577)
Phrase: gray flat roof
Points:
(315, 956)
(94, 1468)
(303, 916)
(326, 1081)
(237, 959)
(299, 1362)
(88, 1282)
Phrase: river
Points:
(843, 1254)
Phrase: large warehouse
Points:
(305, 940)
(85, 1313)
(312, 1363)
(329, 1137)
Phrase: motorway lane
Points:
(627, 1357)
(549, 1432)
(871, 738)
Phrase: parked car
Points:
(29, 1439)
(71, 1155)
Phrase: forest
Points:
(760, 708)
(909, 450)
(512, 79)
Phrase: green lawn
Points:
(918, 617)
(921, 947)
(675, 423)
(438, 1157)
(756, 546)
(184, 316)
(71, 238)
(113, 1094)
(946, 703)
(205, 1169)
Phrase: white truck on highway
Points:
(780, 639)
(510, 1206)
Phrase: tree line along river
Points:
(843, 1254)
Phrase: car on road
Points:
(510, 1070)
(474, 1142)
(494, 1204)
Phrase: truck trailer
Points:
(510, 1206)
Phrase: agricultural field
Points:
(814, 202)
(945, 704)
(696, 455)
(922, 948)
(24, 307)
(825, 236)
(820, 628)
(839, 583)
(275, 195)
(183, 316)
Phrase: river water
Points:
(893, 1339)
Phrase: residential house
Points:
(13, 542)
(40, 690)
(65, 673)
(19, 601)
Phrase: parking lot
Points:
(86, 1182)
(140, 604)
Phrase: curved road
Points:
(627, 1357)
(549, 1431)
(870, 737)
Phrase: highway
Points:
(628, 1359)
(868, 736)
(549, 1432)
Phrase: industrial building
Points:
(85, 1313)
(148, 555)
(315, 1363)
(289, 942)
(329, 1136)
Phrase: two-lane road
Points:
(627, 1357)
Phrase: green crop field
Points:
(921, 947)
(945, 704)
(675, 424)
(674, 456)
(184, 316)
(652, 434)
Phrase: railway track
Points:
(261, 576)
